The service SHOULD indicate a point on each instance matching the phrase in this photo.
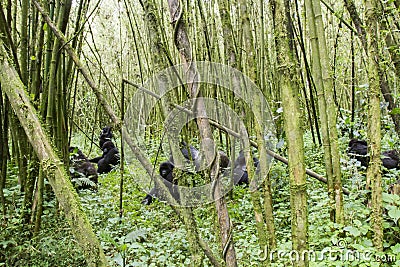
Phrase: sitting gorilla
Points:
(81, 167)
(193, 156)
(105, 135)
(109, 159)
(391, 159)
(240, 175)
(359, 150)
(166, 172)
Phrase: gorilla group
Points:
(81, 166)
(240, 175)
(358, 149)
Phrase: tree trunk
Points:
(374, 121)
(50, 162)
(183, 45)
(324, 84)
(288, 79)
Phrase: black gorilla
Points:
(109, 159)
(390, 159)
(359, 150)
(240, 175)
(192, 157)
(105, 135)
(166, 172)
(81, 167)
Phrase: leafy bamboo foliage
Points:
(328, 70)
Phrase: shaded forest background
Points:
(329, 71)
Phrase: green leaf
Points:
(396, 248)
(352, 230)
(395, 111)
(394, 214)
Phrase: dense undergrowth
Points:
(154, 236)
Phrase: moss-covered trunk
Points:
(328, 110)
(51, 164)
(288, 79)
(183, 45)
(374, 122)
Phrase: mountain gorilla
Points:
(105, 135)
(110, 156)
(166, 172)
(192, 157)
(391, 159)
(109, 159)
(81, 167)
(358, 149)
(240, 175)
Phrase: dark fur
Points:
(81, 166)
(240, 175)
(192, 157)
(109, 159)
(358, 149)
(105, 135)
(166, 171)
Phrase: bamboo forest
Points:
(199, 133)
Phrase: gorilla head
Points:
(166, 171)
(76, 154)
(105, 135)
